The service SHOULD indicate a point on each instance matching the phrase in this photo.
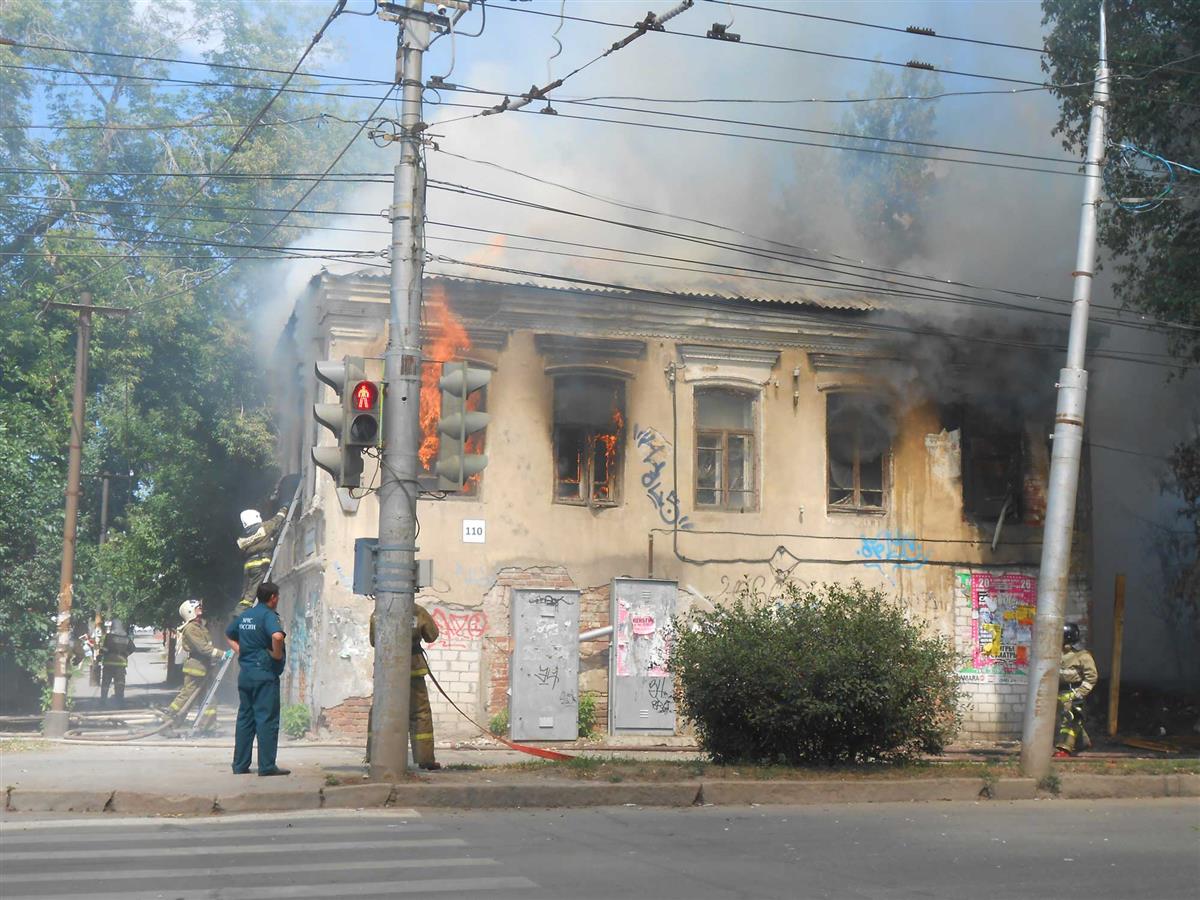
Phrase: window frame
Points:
(723, 491)
(589, 444)
(856, 506)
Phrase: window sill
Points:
(856, 510)
(584, 504)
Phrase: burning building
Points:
(725, 443)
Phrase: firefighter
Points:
(258, 637)
(256, 544)
(420, 715)
(115, 648)
(194, 638)
(1076, 677)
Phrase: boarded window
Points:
(589, 431)
(726, 458)
(858, 434)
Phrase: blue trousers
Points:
(258, 717)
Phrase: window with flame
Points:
(431, 439)
(858, 435)
(725, 449)
(589, 431)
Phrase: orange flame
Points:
(610, 442)
(449, 340)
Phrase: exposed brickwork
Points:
(348, 718)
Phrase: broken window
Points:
(858, 434)
(725, 450)
(993, 467)
(431, 438)
(589, 427)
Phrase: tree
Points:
(1155, 105)
(177, 395)
(887, 192)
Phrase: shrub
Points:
(833, 675)
(587, 714)
(498, 724)
(295, 719)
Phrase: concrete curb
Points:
(586, 794)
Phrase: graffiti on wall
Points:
(459, 630)
(1003, 607)
(653, 449)
(893, 550)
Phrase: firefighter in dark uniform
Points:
(258, 637)
(201, 655)
(115, 648)
(1077, 676)
(256, 545)
(420, 714)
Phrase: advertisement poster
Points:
(1002, 613)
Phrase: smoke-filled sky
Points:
(985, 225)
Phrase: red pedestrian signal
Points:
(365, 396)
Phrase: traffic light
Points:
(354, 419)
(454, 464)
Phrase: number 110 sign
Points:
(474, 531)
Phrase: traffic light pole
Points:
(398, 491)
(1037, 737)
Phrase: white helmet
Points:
(251, 518)
(189, 610)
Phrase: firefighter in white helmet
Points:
(256, 544)
(194, 638)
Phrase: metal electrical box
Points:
(544, 670)
(641, 695)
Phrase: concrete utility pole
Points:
(398, 491)
(1037, 737)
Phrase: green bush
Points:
(833, 675)
(587, 714)
(295, 719)
(498, 724)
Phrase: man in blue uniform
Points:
(257, 637)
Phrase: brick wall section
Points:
(348, 718)
(594, 610)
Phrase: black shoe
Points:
(276, 771)
(431, 766)
(241, 771)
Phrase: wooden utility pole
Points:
(1114, 679)
(55, 724)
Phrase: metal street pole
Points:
(55, 724)
(1037, 737)
(395, 567)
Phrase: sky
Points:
(986, 225)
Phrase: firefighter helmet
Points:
(1070, 634)
(189, 610)
(251, 518)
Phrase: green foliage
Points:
(295, 720)
(498, 724)
(1050, 783)
(587, 714)
(833, 675)
(1150, 99)
(176, 404)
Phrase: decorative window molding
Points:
(735, 365)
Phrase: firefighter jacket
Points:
(1077, 672)
(199, 646)
(115, 650)
(424, 629)
(256, 547)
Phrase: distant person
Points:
(420, 713)
(256, 545)
(115, 649)
(201, 655)
(257, 636)
(1077, 676)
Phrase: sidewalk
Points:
(194, 778)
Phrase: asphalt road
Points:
(1059, 849)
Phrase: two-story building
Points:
(728, 444)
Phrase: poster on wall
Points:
(1003, 606)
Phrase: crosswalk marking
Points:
(191, 834)
(298, 892)
(63, 854)
(11, 881)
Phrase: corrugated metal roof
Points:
(856, 303)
